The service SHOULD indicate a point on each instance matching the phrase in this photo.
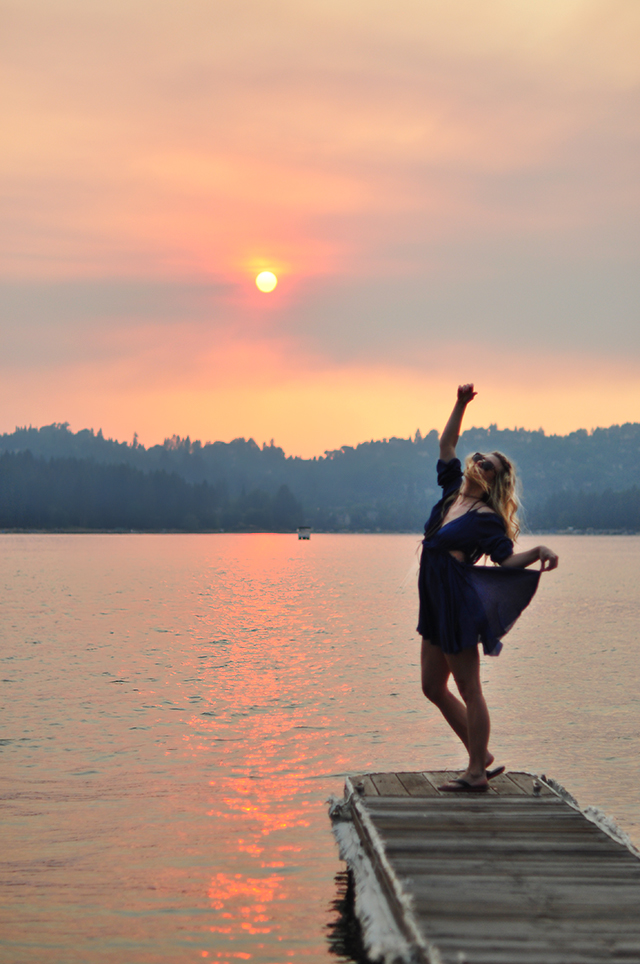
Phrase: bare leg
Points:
(465, 667)
(435, 675)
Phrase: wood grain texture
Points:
(417, 785)
(363, 783)
(389, 785)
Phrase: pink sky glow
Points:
(447, 192)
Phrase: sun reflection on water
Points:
(245, 899)
(180, 707)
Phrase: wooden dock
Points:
(516, 875)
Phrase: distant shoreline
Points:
(54, 480)
(279, 532)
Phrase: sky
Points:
(447, 191)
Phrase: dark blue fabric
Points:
(462, 604)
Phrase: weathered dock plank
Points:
(417, 785)
(389, 785)
(364, 784)
(516, 875)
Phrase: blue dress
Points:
(462, 604)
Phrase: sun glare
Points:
(266, 281)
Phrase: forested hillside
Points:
(380, 485)
(36, 493)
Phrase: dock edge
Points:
(389, 930)
(593, 814)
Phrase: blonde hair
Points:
(501, 494)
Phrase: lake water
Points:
(177, 709)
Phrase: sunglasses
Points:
(485, 464)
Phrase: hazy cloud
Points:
(419, 175)
(40, 303)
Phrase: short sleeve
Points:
(449, 476)
(494, 541)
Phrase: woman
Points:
(462, 604)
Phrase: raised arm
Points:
(451, 433)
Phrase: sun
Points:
(266, 281)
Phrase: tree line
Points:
(582, 480)
(68, 494)
(584, 511)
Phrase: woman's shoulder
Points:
(490, 518)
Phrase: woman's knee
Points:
(434, 688)
(435, 673)
(469, 687)
(465, 668)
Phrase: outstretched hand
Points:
(548, 559)
(466, 393)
